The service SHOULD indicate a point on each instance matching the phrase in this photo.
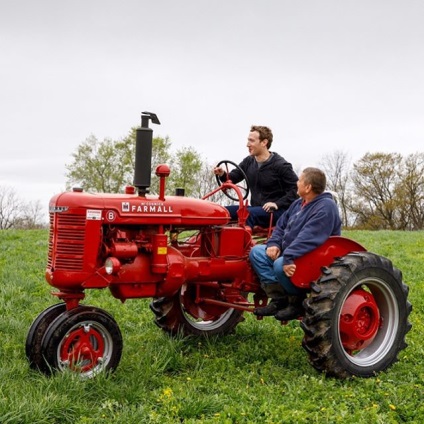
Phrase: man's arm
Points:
(235, 175)
(277, 235)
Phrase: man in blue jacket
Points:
(307, 224)
(271, 179)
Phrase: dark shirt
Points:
(274, 181)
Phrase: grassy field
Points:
(260, 374)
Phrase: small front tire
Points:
(36, 333)
(85, 340)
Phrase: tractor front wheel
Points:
(356, 317)
(36, 333)
(85, 340)
(184, 314)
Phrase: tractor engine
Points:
(131, 244)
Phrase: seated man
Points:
(307, 224)
(271, 179)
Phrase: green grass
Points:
(260, 374)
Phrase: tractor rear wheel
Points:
(85, 340)
(181, 314)
(36, 333)
(356, 318)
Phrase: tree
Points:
(206, 182)
(15, 213)
(410, 193)
(185, 169)
(10, 207)
(337, 167)
(31, 217)
(108, 166)
(160, 154)
(99, 166)
(377, 178)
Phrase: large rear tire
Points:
(356, 318)
(181, 314)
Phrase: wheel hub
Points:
(359, 320)
(83, 349)
(201, 310)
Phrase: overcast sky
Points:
(324, 75)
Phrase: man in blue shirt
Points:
(307, 224)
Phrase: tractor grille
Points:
(66, 241)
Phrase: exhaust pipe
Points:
(143, 153)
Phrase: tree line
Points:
(108, 166)
(380, 191)
(17, 213)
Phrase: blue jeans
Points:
(257, 216)
(270, 271)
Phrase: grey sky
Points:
(323, 74)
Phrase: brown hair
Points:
(316, 178)
(264, 133)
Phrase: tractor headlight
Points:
(112, 265)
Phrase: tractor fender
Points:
(308, 267)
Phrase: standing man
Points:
(271, 179)
(307, 224)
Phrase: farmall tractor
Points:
(355, 315)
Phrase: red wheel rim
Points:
(359, 320)
(83, 348)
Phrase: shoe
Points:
(276, 293)
(271, 309)
(289, 313)
(293, 310)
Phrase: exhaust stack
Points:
(143, 153)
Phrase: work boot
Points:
(293, 310)
(276, 293)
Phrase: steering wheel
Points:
(243, 185)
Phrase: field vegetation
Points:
(259, 374)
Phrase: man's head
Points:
(264, 134)
(312, 181)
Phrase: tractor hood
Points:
(133, 209)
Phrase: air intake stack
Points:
(143, 153)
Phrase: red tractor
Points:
(136, 244)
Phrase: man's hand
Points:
(269, 207)
(273, 252)
(218, 171)
(289, 269)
